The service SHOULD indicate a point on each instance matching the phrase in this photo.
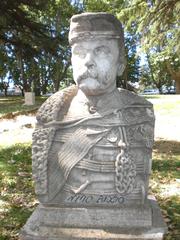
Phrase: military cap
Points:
(94, 25)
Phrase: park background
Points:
(35, 56)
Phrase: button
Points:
(92, 109)
(112, 139)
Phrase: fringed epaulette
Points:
(136, 109)
(130, 98)
(50, 109)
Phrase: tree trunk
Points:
(22, 92)
(175, 75)
(150, 67)
(177, 80)
(36, 84)
(44, 82)
(60, 75)
(21, 67)
(44, 86)
(125, 77)
(56, 84)
(5, 92)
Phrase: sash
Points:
(72, 152)
(76, 148)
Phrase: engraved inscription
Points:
(98, 199)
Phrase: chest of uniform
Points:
(117, 166)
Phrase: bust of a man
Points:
(93, 142)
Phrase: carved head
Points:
(97, 52)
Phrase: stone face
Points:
(92, 149)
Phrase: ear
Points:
(121, 69)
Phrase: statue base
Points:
(132, 223)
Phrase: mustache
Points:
(87, 74)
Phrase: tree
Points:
(22, 35)
(3, 63)
(4, 87)
(154, 74)
(157, 24)
(35, 38)
(132, 71)
(57, 18)
(20, 24)
(111, 6)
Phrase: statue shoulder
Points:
(136, 108)
(56, 106)
(131, 98)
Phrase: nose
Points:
(89, 61)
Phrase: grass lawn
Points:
(165, 183)
(166, 104)
(13, 105)
(17, 199)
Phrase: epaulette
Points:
(136, 109)
(131, 98)
(59, 101)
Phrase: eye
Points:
(101, 50)
(80, 52)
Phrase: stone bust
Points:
(92, 147)
(92, 144)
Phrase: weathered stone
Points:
(29, 98)
(92, 147)
(62, 223)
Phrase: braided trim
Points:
(53, 105)
(125, 168)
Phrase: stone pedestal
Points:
(29, 98)
(57, 223)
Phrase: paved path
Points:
(18, 130)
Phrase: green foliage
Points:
(96, 6)
(154, 73)
(157, 21)
(165, 174)
(35, 42)
(35, 49)
(112, 6)
(20, 25)
(133, 59)
(157, 24)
